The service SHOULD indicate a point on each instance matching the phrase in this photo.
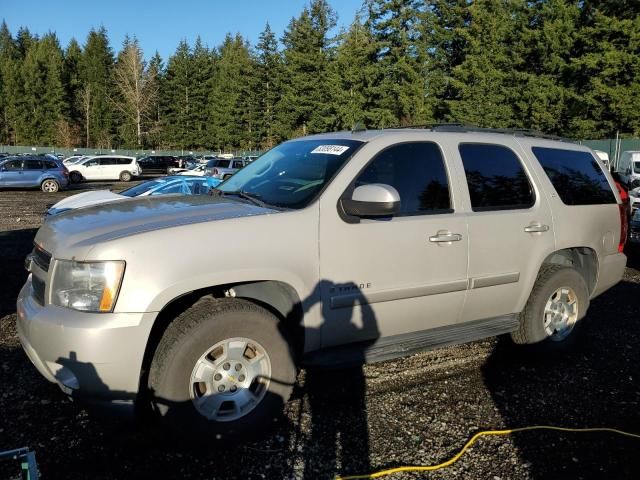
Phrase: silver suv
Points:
(345, 248)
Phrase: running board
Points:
(387, 348)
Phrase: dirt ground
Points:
(413, 411)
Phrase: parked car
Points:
(634, 199)
(104, 167)
(73, 159)
(374, 245)
(32, 171)
(629, 169)
(224, 168)
(634, 228)
(159, 186)
(154, 164)
(197, 170)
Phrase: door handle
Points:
(536, 228)
(442, 237)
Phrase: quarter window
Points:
(496, 178)
(33, 165)
(417, 172)
(576, 176)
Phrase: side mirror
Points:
(374, 200)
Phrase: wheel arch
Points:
(583, 259)
(278, 297)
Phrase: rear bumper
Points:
(92, 357)
(611, 272)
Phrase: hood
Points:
(83, 200)
(75, 232)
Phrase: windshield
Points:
(142, 188)
(293, 173)
(636, 167)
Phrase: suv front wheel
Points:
(223, 368)
(551, 317)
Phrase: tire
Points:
(168, 171)
(125, 177)
(75, 177)
(50, 186)
(560, 293)
(186, 365)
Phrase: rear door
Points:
(33, 170)
(510, 227)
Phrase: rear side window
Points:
(237, 164)
(108, 161)
(496, 178)
(417, 172)
(33, 165)
(576, 176)
(49, 164)
(123, 161)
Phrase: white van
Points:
(629, 169)
(104, 167)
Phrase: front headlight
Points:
(86, 286)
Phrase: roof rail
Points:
(461, 127)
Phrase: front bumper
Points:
(95, 357)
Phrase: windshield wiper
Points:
(251, 197)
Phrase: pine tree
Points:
(154, 127)
(268, 74)
(605, 70)
(227, 109)
(304, 106)
(96, 70)
(72, 85)
(178, 102)
(43, 91)
(9, 85)
(200, 75)
(350, 73)
(397, 90)
(484, 84)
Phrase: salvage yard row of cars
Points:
(211, 348)
(51, 174)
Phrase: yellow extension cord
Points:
(486, 433)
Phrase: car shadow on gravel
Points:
(594, 385)
(15, 245)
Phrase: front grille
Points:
(38, 289)
(41, 258)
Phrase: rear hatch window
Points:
(577, 176)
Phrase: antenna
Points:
(358, 127)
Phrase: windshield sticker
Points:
(330, 149)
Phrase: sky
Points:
(160, 24)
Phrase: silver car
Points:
(342, 248)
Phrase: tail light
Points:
(65, 172)
(624, 226)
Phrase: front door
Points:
(390, 276)
(11, 174)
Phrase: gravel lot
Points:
(418, 410)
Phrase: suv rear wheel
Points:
(75, 177)
(551, 317)
(50, 186)
(125, 177)
(223, 369)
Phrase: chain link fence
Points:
(39, 150)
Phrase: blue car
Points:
(48, 174)
(160, 186)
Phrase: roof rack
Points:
(461, 127)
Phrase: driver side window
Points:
(417, 171)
